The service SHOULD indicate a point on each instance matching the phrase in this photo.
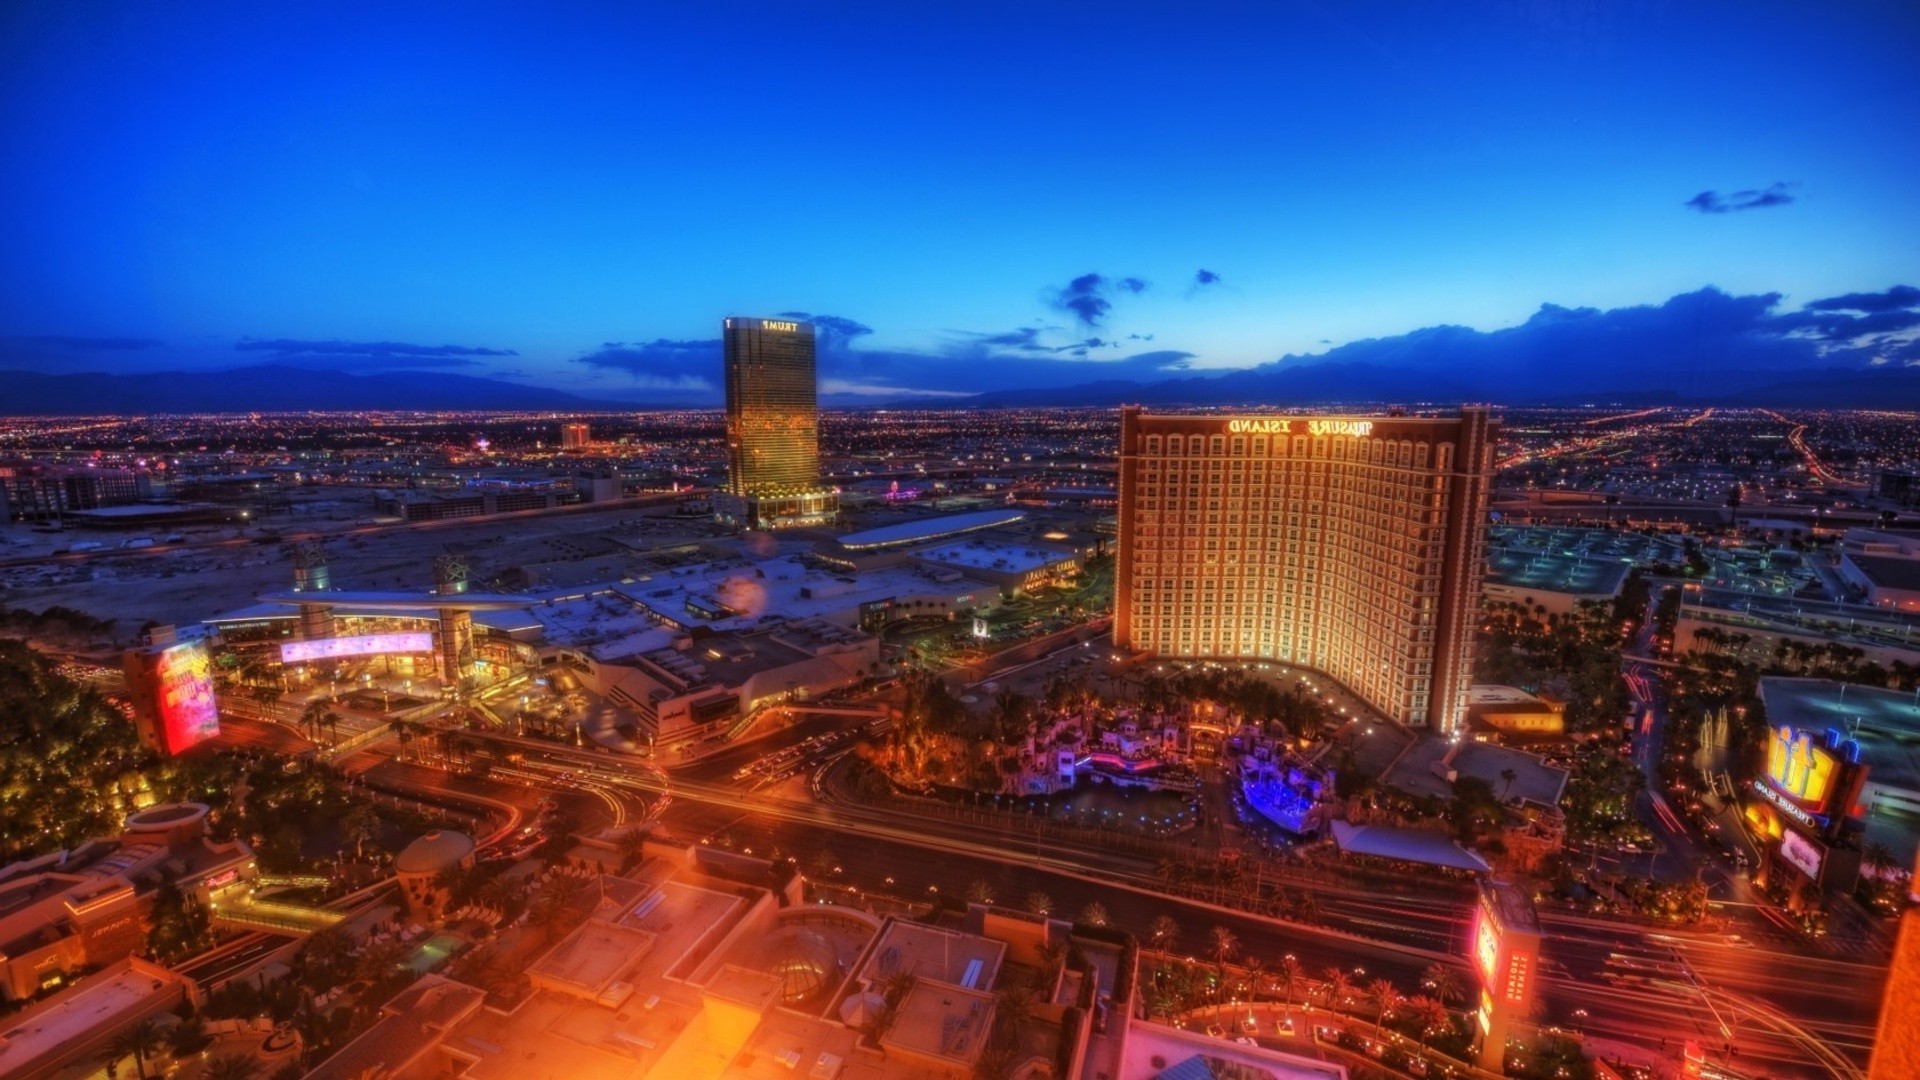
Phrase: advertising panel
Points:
(1800, 768)
(294, 652)
(185, 706)
(1486, 947)
(1801, 853)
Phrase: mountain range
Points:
(282, 388)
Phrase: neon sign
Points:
(1786, 806)
(187, 711)
(1798, 768)
(1517, 978)
(292, 652)
(1486, 947)
(1355, 428)
(787, 327)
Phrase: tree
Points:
(1337, 987)
(1441, 981)
(231, 1067)
(1222, 945)
(1039, 903)
(1507, 777)
(138, 1042)
(1429, 1014)
(979, 891)
(1386, 1000)
(1289, 974)
(1094, 914)
(1163, 932)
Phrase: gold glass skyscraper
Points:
(1352, 545)
(773, 426)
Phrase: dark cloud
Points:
(662, 364)
(831, 325)
(1088, 297)
(1898, 298)
(1704, 342)
(78, 344)
(287, 347)
(1205, 277)
(1712, 202)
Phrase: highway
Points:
(1738, 998)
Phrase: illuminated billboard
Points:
(1800, 768)
(172, 690)
(1801, 853)
(293, 652)
(1486, 947)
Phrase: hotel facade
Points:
(773, 427)
(1351, 545)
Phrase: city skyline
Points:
(493, 196)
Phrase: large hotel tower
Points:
(1351, 545)
(773, 427)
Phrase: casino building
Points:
(1353, 545)
(773, 427)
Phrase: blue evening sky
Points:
(591, 187)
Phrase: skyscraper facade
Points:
(575, 436)
(773, 426)
(1352, 545)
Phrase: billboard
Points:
(1800, 768)
(293, 652)
(172, 689)
(1801, 853)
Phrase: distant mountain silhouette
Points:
(267, 388)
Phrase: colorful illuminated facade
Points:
(1354, 546)
(1506, 958)
(1805, 810)
(773, 426)
(171, 683)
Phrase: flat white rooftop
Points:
(929, 528)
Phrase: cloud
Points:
(661, 364)
(1898, 298)
(1712, 202)
(1088, 297)
(72, 343)
(1704, 342)
(412, 355)
(1205, 277)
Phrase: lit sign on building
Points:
(294, 652)
(185, 705)
(1517, 978)
(784, 327)
(1799, 768)
(1356, 428)
(1801, 854)
(1486, 947)
(1785, 806)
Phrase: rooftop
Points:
(1009, 556)
(1888, 571)
(409, 1027)
(1406, 845)
(105, 1000)
(942, 1021)
(1886, 723)
(929, 528)
(1510, 904)
(930, 952)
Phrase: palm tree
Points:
(139, 1041)
(231, 1067)
(1162, 932)
(980, 891)
(630, 844)
(1429, 1013)
(1223, 944)
(1291, 971)
(1442, 983)
(1337, 987)
(1094, 914)
(1039, 903)
(1386, 999)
